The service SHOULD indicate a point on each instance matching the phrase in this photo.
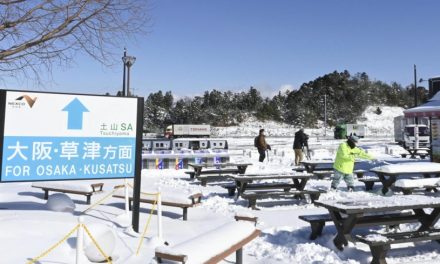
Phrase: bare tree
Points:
(35, 35)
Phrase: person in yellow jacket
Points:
(344, 162)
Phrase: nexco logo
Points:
(30, 101)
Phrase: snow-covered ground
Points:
(28, 227)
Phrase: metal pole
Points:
(415, 87)
(325, 115)
(128, 79)
(138, 163)
(127, 206)
(416, 121)
(123, 75)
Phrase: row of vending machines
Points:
(177, 153)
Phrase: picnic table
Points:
(348, 214)
(324, 167)
(317, 165)
(198, 167)
(422, 152)
(388, 174)
(277, 189)
(242, 181)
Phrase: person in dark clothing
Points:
(261, 144)
(298, 144)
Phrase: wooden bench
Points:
(253, 196)
(192, 174)
(201, 249)
(323, 174)
(380, 243)
(421, 155)
(192, 201)
(232, 187)
(369, 182)
(252, 219)
(317, 222)
(75, 188)
(299, 169)
(359, 173)
(204, 179)
(407, 186)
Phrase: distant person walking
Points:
(344, 162)
(261, 144)
(299, 143)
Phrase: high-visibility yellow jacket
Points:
(346, 156)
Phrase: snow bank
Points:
(104, 236)
(382, 124)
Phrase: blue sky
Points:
(199, 45)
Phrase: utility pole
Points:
(415, 86)
(325, 114)
(416, 121)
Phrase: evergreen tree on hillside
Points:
(347, 96)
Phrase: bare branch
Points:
(34, 34)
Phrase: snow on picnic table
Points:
(409, 167)
(377, 201)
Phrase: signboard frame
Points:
(137, 152)
(138, 138)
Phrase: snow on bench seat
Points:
(416, 183)
(212, 246)
(75, 187)
(169, 197)
(408, 185)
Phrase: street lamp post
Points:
(123, 74)
(128, 62)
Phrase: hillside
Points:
(378, 125)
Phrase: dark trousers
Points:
(262, 154)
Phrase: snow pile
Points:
(60, 202)
(383, 124)
(106, 239)
(290, 245)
